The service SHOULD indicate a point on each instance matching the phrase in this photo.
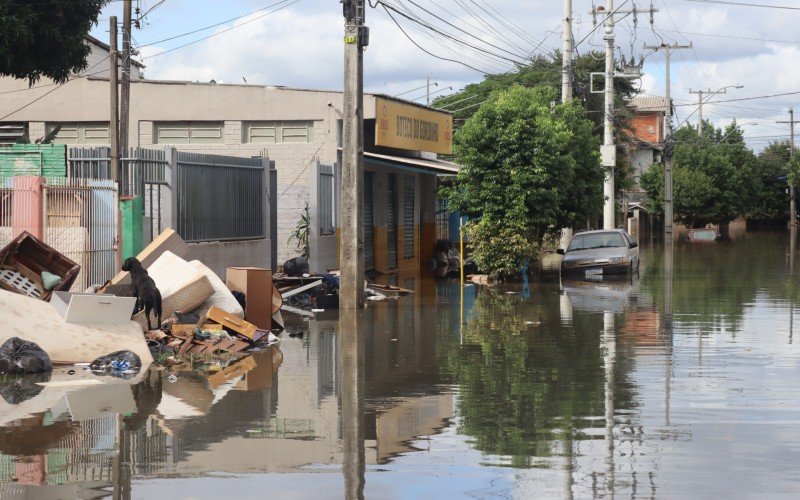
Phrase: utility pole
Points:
(124, 128)
(566, 85)
(114, 104)
(428, 91)
(356, 37)
(792, 204)
(700, 102)
(668, 209)
(608, 151)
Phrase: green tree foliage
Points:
(771, 201)
(715, 177)
(527, 167)
(45, 38)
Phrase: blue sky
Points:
(301, 46)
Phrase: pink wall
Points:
(27, 206)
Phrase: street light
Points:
(700, 102)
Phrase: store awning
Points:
(419, 165)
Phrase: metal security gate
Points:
(391, 222)
(409, 189)
(369, 223)
(79, 219)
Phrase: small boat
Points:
(704, 235)
(23, 261)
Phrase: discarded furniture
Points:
(23, 261)
(93, 308)
(222, 297)
(167, 241)
(256, 285)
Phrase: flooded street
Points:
(681, 382)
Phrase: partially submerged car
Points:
(704, 235)
(602, 252)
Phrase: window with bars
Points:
(327, 200)
(276, 132)
(79, 132)
(188, 133)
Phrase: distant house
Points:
(648, 126)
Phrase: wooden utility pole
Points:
(126, 77)
(792, 203)
(669, 219)
(356, 37)
(114, 104)
(566, 85)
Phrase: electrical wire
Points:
(223, 31)
(744, 4)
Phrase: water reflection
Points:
(654, 386)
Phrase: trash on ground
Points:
(223, 296)
(296, 266)
(32, 268)
(67, 343)
(120, 364)
(93, 308)
(23, 356)
(256, 285)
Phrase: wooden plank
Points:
(300, 289)
(235, 323)
(296, 310)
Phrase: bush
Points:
(500, 248)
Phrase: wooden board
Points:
(235, 323)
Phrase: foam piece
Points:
(182, 287)
(222, 298)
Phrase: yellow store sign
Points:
(404, 126)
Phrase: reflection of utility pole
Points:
(792, 250)
(356, 38)
(351, 338)
(668, 216)
(792, 205)
(609, 345)
(666, 325)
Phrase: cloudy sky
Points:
(299, 43)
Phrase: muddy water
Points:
(682, 382)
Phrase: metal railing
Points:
(219, 198)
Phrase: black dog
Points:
(144, 289)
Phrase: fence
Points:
(219, 198)
(77, 217)
(144, 173)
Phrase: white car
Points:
(602, 252)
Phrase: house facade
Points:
(298, 129)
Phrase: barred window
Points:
(79, 132)
(275, 132)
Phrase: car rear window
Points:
(597, 240)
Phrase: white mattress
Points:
(222, 298)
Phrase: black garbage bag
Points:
(22, 356)
(18, 388)
(121, 364)
(297, 266)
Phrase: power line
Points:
(744, 4)
(225, 30)
(747, 98)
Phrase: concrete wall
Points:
(222, 254)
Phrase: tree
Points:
(772, 201)
(45, 38)
(714, 176)
(528, 168)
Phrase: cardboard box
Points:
(256, 284)
(93, 308)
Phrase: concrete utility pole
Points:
(566, 85)
(428, 91)
(792, 204)
(699, 108)
(608, 151)
(114, 94)
(124, 128)
(668, 215)
(356, 37)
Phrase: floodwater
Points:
(680, 383)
